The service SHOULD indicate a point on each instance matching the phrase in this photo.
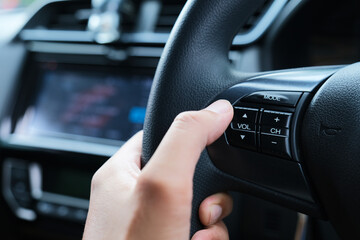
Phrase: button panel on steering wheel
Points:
(262, 122)
(261, 145)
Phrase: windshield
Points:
(13, 14)
(15, 4)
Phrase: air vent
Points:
(69, 19)
(61, 16)
(170, 11)
(66, 21)
(253, 29)
(254, 19)
(71, 16)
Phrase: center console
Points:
(69, 112)
(56, 192)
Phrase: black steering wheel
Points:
(294, 139)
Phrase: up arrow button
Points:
(245, 115)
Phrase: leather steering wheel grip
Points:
(193, 69)
(194, 66)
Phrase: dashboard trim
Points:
(64, 200)
(100, 149)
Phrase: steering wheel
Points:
(294, 139)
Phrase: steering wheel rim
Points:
(193, 69)
(182, 81)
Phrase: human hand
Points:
(155, 203)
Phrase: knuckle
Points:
(163, 190)
(151, 185)
(96, 180)
(102, 177)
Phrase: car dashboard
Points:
(69, 99)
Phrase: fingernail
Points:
(215, 213)
(220, 106)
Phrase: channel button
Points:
(276, 119)
(275, 131)
(275, 145)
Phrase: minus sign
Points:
(274, 143)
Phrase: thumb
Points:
(165, 184)
(176, 157)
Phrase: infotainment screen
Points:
(96, 104)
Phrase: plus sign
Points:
(277, 119)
